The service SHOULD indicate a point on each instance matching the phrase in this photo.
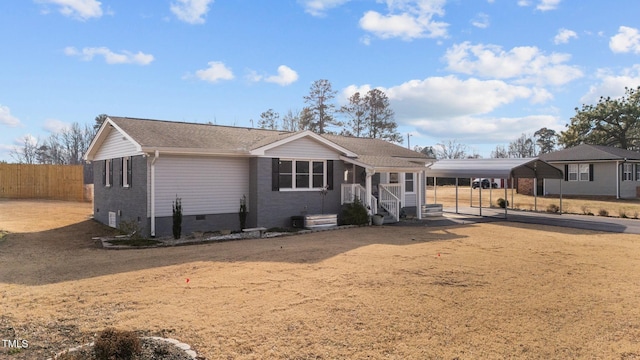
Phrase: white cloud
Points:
(320, 7)
(564, 35)
(546, 5)
(484, 129)
(543, 5)
(286, 76)
(449, 96)
(450, 107)
(215, 72)
(6, 118)
(79, 9)
(627, 40)
(55, 126)
(110, 57)
(612, 84)
(481, 21)
(524, 64)
(407, 19)
(191, 11)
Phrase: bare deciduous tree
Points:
(451, 149)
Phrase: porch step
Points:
(388, 218)
(431, 210)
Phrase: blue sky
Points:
(478, 71)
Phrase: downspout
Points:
(153, 193)
(617, 179)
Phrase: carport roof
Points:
(494, 168)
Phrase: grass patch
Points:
(134, 242)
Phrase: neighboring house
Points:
(141, 166)
(594, 170)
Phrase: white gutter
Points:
(153, 193)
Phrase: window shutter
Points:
(129, 170)
(566, 172)
(590, 172)
(104, 173)
(111, 172)
(275, 174)
(330, 174)
(121, 171)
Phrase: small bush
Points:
(603, 212)
(502, 203)
(355, 213)
(635, 214)
(116, 344)
(553, 208)
(622, 213)
(242, 214)
(585, 210)
(131, 229)
(177, 218)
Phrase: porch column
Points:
(367, 200)
(418, 189)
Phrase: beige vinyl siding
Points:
(205, 185)
(116, 146)
(303, 148)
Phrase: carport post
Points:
(560, 196)
(471, 189)
(512, 186)
(535, 194)
(435, 196)
(480, 196)
(505, 204)
(456, 195)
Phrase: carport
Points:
(528, 168)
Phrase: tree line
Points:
(611, 122)
(366, 115)
(66, 147)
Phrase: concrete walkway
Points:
(587, 222)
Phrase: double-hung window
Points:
(579, 172)
(584, 172)
(302, 174)
(573, 172)
(627, 172)
(408, 182)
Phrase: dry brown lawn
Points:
(482, 291)
(446, 195)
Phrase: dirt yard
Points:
(485, 291)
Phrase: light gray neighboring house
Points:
(141, 166)
(595, 170)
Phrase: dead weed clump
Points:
(116, 344)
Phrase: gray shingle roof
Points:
(586, 152)
(229, 139)
(179, 135)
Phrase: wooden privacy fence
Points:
(54, 182)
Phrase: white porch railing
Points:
(352, 191)
(389, 200)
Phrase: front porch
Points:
(391, 193)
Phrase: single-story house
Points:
(594, 170)
(141, 166)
